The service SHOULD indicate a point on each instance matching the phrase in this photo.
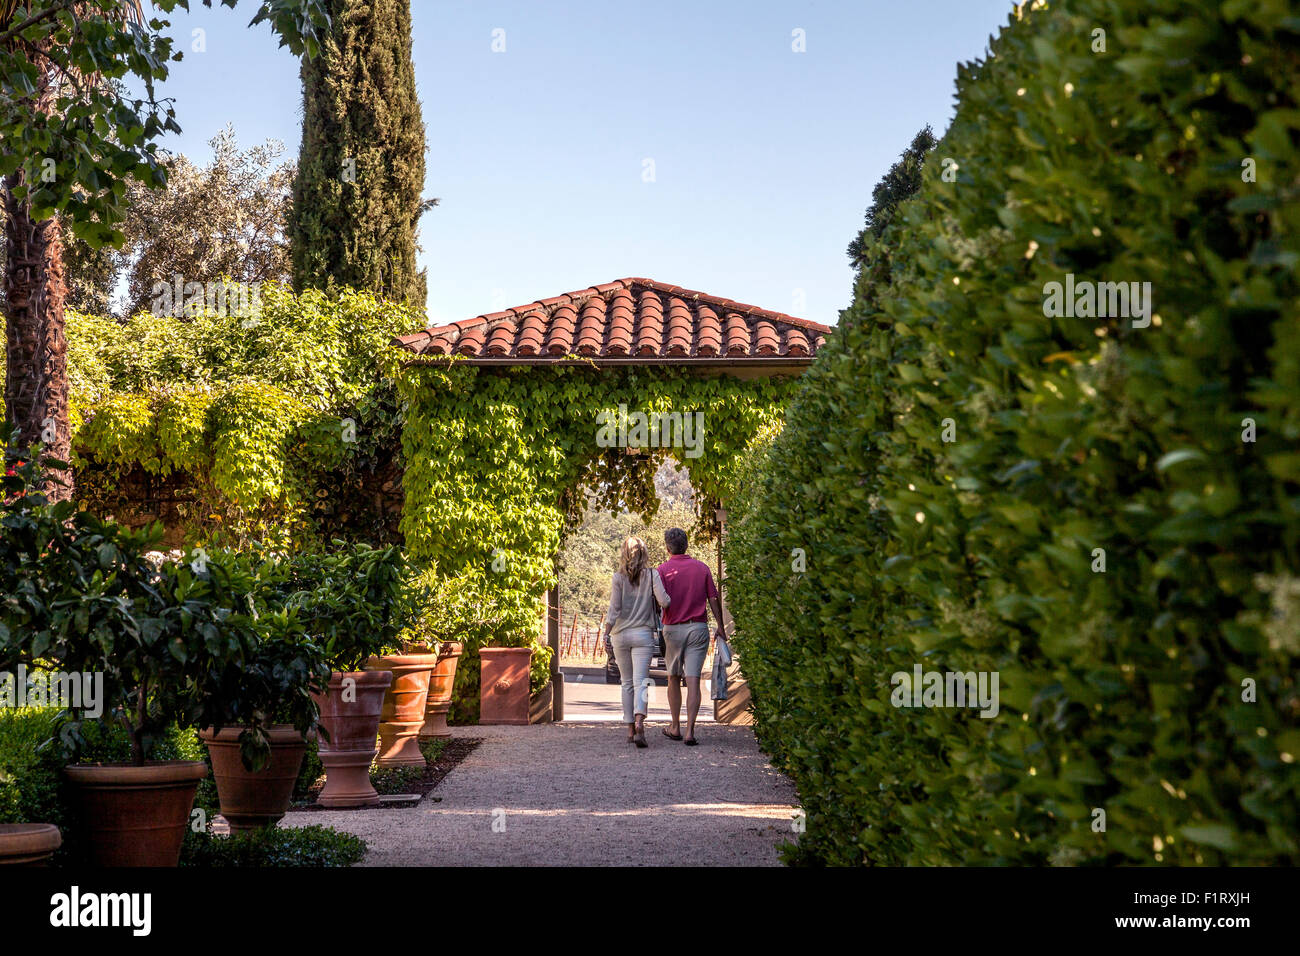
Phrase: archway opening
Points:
(587, 561)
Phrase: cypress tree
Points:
(356, 199)
(900, 183)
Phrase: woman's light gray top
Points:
(632, 605)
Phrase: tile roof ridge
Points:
(418, 340)
(728, 305)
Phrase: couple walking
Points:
(683, 588)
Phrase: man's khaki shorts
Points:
(687, 645)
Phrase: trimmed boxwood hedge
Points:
(1160, 690)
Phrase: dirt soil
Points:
(455, 750)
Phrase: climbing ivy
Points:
(261, 422)
(498, 462)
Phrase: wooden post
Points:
(721, 514)
(553, 639)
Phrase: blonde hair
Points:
(632, 559)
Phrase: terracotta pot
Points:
(349, 714)
(503, 687)
(541, 706)
(28, 844)
(250, 801)
(136, 816)
(403, 716)
(441, 683)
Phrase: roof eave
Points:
(773, 363)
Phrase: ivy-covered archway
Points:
(510, 416)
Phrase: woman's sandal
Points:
(672, 736)
(639, 737)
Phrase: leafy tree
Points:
(226, 219)
(356, 199)
(88, 272)
(71, 138)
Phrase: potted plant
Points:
(351, 602)
(410, 658)
(444, 613)
(91, 605)
(162, 645)
(404, 704)
(259, 706)
(28, 844)
(441, 612)
(238, 673)
(442, 681)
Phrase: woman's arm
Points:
(615, 601)
(660, 594)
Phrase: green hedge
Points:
(1120, 690)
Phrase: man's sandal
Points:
(672, 736)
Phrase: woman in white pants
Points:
(629, 626)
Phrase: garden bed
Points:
(442, 755)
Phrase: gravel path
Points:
(577, 794)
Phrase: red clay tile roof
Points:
(626, 321)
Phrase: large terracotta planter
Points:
(441, 682)
(541, 706)
(28, 844)
(136, 816)
(503, 689)
(250, 801)
(403, 715)
(349, 715)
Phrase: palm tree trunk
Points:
(36, 361)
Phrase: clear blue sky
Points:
(764, 158)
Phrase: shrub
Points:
(356, 600)
(1160, 690)
(29, 768)
(312, 770)
(388, 780)
(314, 846)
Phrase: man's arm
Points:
(715, 605)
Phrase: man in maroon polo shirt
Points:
(691, 590)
